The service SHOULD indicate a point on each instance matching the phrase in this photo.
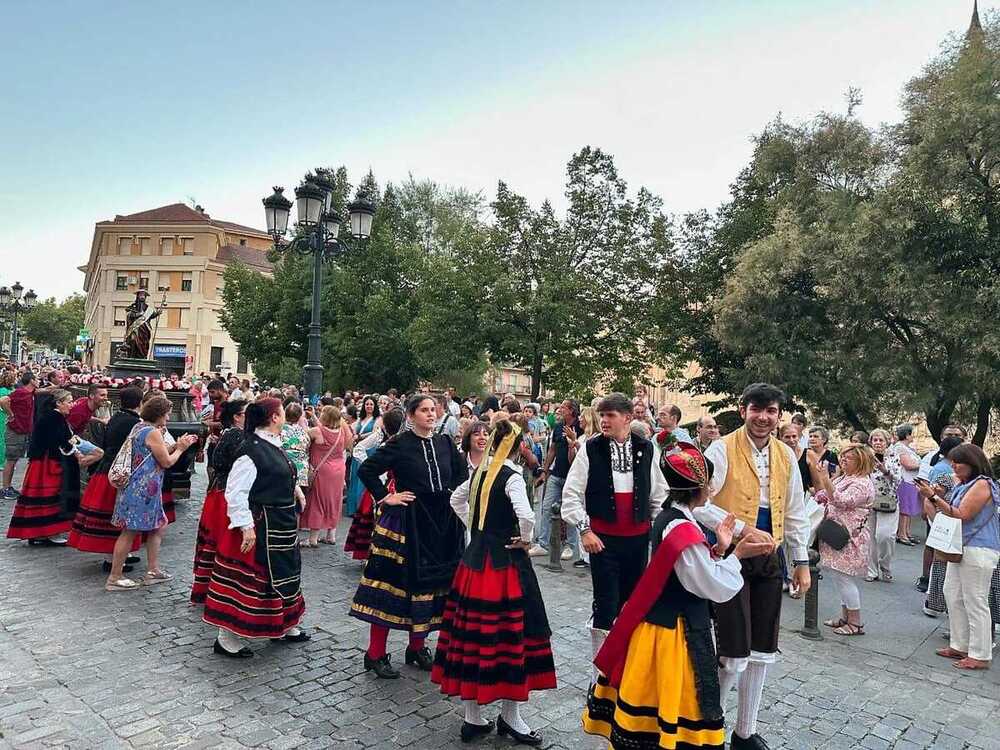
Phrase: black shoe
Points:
(471, 731)
(243, 653)
(46, 542)
(300, 637)
(581, 563)
(131, 559)
(106, 567)
(921, 585)
(381, 667)
(753, 742)
(534, 738)
(422, 658)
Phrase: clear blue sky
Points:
(116, 107)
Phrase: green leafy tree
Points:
(55, 324)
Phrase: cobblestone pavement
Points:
(83, 668)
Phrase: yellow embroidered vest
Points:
(740, 495)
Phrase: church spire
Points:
(975, 26)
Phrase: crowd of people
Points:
(691, 541)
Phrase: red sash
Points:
(611, 658)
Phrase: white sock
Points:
(750, 693)
(232, 643)
(474, 713)
(293, 631)
(727, 681)
(597, 638)
(512, 715)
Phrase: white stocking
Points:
(512, 715)
(729, 674)
(750, 692)
(232, 643)
(473, 713)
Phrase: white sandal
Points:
(155, 576)
(121, 584)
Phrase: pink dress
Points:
(326, 492)
(850, 506)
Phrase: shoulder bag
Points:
(121, 468)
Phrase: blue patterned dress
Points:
(362, 428)
(139, 506)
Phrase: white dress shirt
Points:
(516, 490)
(241, 479)
(715, 579)
(796, 525)
(574, 509)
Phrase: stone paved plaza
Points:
(82, 668)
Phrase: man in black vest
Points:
(612, 493)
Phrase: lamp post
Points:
(13, 301)
(318, 235)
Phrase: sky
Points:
(118, 106)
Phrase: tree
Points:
(55, 324)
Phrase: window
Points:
(144, 280)
(124, 245)
(146, 245)
(185, 317)
(119, 316)
(241, 362)
(243, 243)
(121, 282)
(187, 245)
(186, 281)
(166, 246)
(215, 358)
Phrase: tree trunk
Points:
(983, 410)
(938, 414)
(536, 375)
(852, 417)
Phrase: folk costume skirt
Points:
(494, 639)
(40, 510)
(92, 530)
(211, 526)
(257, 594)
(656, 706)
(359, 537)
(414, 553)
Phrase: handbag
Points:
(832, 533)
(121, 468)
(885, 503)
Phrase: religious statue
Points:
(138, 333)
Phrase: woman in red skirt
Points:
(214, 519)
(359, 537)
(92, 530)
(255, 588)
(494, 641)
(45, 508)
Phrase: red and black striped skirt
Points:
(483, 650)
(359, 537)
(240, 597)
(39, 510)
(92, 530)
(213, 523)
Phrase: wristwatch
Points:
(798, 563)
(583, 527)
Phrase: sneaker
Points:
(567, 553)
(921, 585)
(9, 494)
(538, 550)
(581, 563)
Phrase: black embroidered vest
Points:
(676, 600)
(600, 493)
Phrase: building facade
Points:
(178, 255)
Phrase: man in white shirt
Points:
(446, 424)
(757, 479)
(613, 491)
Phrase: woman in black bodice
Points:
(418, 540)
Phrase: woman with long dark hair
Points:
(418, 539)
(367, 424)
(494, 641)
(359, 537)
(255, 590)
(214, 518)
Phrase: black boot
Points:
(421, 657)
(381, 667)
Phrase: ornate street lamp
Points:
(318, 235)
(13, 301)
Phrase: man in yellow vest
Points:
(756, 479)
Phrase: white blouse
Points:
(241, 479)
(717, 580)
(516, 490)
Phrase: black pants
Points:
(614, 574)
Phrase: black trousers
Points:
(614, 574)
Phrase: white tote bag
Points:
(946, 535)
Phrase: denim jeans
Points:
(543, 517)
